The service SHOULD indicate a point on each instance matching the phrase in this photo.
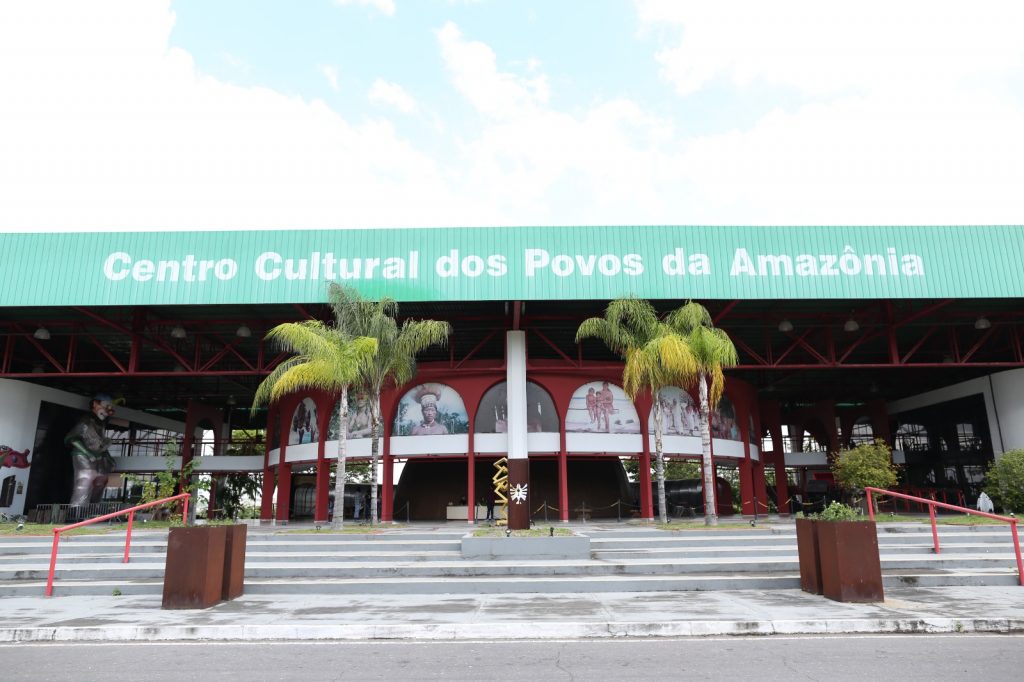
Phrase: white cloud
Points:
(393, 95)
(910, 112)
(539, 165)
(474, 71)
(825, 47)
(104, 127)
(331, 74)
(383, 6)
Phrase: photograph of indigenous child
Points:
(303, 428)
(493, 413)
(723, 421)
(679, 416)
(360, 419)
(601, 407)
(431, 410)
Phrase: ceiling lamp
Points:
(982, 323)
(851, 325)
(785, 326)
(231, 402)
(178, 332)
(43, 334)
(243, 332)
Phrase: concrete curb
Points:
(510, 631)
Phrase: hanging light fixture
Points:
(43, 334)
(243, 332)
(982, 323)
(851, 325)
(785, 326)
(178, 332)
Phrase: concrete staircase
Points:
(428, 560)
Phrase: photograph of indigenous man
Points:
(431, 410)
(492, 415)
(609, 411)
(88, 448)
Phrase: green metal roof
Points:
(527, 263)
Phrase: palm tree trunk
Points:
(659, 459)
(710, 510)
(339, 478)
(374, 454)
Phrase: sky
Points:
(136, 115)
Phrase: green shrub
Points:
(837, 511)
(1004, 481)
(868, 465)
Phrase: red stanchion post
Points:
(128, 536)
(53, 562)
(1016, 550)
(935, 528)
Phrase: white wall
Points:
(19, 415)
(1004, 403)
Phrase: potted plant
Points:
(848, 563)
(807, 551)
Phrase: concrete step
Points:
(456, 567)
(507, 585)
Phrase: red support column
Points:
(323, 482)
(644, 405)
(284, 492)
(284, 470)
(760, 488)
(267, 495)
(471, 469)
(563, 476)
(387, 475)
(746, 467)
(323, 489)
(747, 503)
(212, 505)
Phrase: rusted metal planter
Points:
(234, 561)
(810, 561)
(194, 573)
(849, 563)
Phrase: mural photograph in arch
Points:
(723, 421)
(492, 417)
(678, 412)
(431, 410)
(303, 427)
(601, 407)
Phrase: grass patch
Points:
(99, 528)
(699, 525)
(964, 520)
(327, 530)
(499, 532)
(46, 529)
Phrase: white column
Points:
(515, 378)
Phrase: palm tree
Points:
(655, 355)
(325, 358)
(395, 360)
(713, 351)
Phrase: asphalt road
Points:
(893, 657)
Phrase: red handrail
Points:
(932, 504)
(128, 536)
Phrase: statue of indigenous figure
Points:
(89, 450)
